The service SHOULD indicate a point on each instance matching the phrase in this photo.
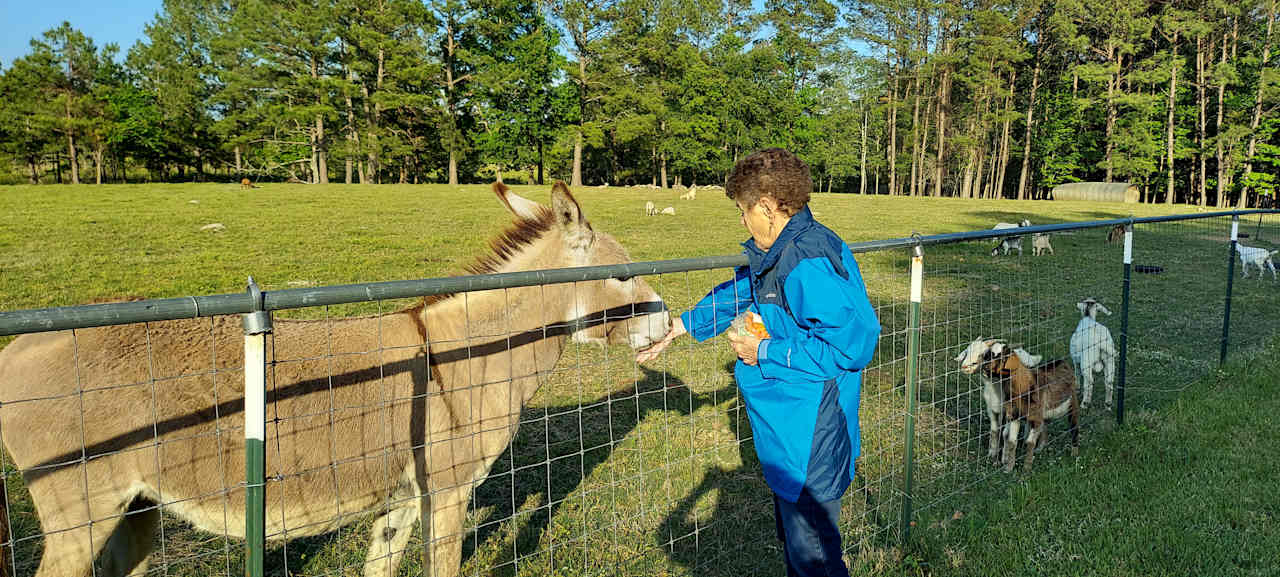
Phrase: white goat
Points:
(971, 359)
(1092, 350)
(1040, 243)
(1009, 242)
(671, 210)
(1256, 256)
(649, 209)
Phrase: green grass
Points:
(1185, 489)
(619, 469)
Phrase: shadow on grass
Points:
(558, 447)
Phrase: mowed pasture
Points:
(648, 470)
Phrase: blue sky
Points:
(109, 21)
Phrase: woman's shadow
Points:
(558, 447)
(726, 526)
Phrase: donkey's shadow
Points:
(558, 447)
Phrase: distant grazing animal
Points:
(691, 195)
(1261, 257)
(1040, 243)
(971, 359)
(1009, 242)
(649, 209)
(1116, 234)
(409, 409)
(671, 210)
(1037, 395)
(246, 183)
(1093, 350)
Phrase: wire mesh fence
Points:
(508, 430)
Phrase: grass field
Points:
(620, 469)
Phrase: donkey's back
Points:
(101, 420)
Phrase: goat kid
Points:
(970, 360)
(1040, 243)
(1008, 243)
(1037, 395)
(1093, 350)
(1260, 257)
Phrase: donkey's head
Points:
(617, 311)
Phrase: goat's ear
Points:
(1103, 309)
(1080, 306)
(997, 348)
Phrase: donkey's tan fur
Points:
(107, 423)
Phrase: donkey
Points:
(403, 412)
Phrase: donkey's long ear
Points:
(567, 212)
(518, 205)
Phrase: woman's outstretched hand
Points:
(677, 329)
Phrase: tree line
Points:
(967, 98)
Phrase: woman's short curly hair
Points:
(772, 172)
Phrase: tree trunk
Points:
(1257, 106)
(862, 170)
(71, 145)
(944, 103)
(662, 168)
(97, 163)
(1222, 90)
(35, 171)
(1003, 170)
(321, 157)
(915, 132)
(238, 152)
(1112, 86)
(1026, 138)
(1173, 91)
(1202, 139)
(582, 120)
(892, 150)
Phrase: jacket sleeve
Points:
(716, 311)
(838, 328)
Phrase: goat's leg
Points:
(1109, 377)
(1085, 374)
(1033, 432)
(1010, 451)
(1075, 425)
(993, 441)
(128, 551)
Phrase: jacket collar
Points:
(761, 261)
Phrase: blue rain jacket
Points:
(802, 396)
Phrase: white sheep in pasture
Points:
(691, 195)
(1009, 242)
(1092, 350)
(671, 210)
(1260, 257)
(649, 209)
(971, 359)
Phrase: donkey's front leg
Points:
(446, 513)
(391, 531)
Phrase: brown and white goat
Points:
(1037, 395)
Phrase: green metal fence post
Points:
(257, 325)
(1124, 322)
(913, 376)
(1231, 275)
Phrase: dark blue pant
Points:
(810, 535)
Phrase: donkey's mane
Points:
(507, 244)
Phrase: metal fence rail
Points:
(609, 468)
